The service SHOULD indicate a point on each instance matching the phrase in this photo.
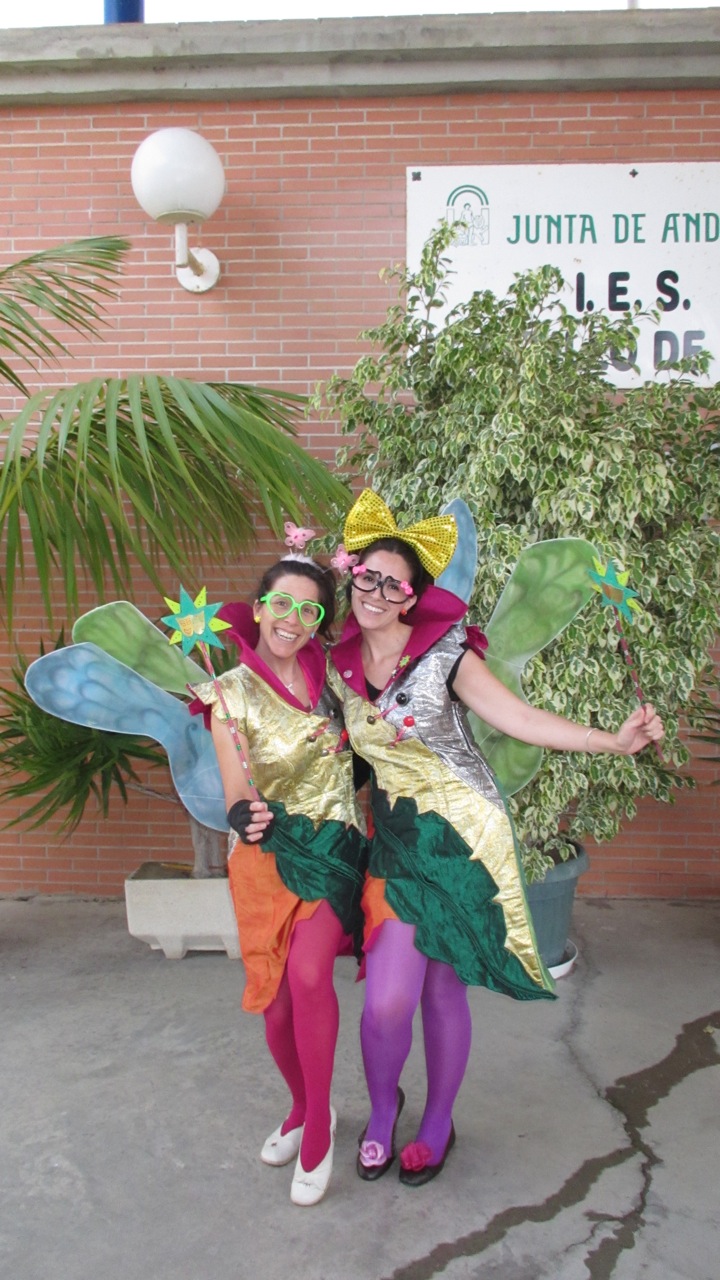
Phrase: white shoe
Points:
(281, 1148)
(308, 1188)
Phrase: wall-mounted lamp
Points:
(177, 177)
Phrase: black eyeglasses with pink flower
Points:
(368, 580)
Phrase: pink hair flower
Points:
(296, 538)
(342, 560)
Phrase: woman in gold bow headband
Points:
(444, 903)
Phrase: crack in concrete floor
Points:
(697, 1047)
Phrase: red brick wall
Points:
(315, 207)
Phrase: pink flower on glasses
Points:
(361, 568)
(372, 1154)
(342, 561)
(296, 538)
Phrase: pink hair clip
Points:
(296, 538)
(342, 561)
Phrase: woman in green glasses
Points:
(296, 869)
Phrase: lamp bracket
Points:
(197, 270)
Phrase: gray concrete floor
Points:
(136, 1097)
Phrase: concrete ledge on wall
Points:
(634, 49)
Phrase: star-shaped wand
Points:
(195, 623)
(615, 593)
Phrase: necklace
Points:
(288, 684)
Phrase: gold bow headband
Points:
(434, 540)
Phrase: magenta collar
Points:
(436, 612)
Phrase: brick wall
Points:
(315, 207)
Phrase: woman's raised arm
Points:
(487, 696)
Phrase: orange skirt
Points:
(375, 908)
(267, 913)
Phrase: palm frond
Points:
(112, 471)
(69, 283)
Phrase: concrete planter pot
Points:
(175, 914)
(551, 903)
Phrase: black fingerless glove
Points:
(240, 816)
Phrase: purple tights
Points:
(301, 1027)
(399, 978)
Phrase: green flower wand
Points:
(615, 593)
(195, 623)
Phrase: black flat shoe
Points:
(418, 1177)
(371, 1172)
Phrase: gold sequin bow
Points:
(433, 540)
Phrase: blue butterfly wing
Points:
(87, 686)
(459, 577)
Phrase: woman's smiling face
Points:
(370, 608)
(283, 637)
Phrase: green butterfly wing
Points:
(127, 635)
(549, 585)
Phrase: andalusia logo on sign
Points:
(468, 206)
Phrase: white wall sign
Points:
(618, 233)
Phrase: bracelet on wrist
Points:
(587, 738)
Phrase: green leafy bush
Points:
(508, 406)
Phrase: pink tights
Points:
(301, 1027)
(399, 978)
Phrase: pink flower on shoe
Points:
(415, 1156)
(372, 1154)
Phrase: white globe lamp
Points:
(178, 178)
